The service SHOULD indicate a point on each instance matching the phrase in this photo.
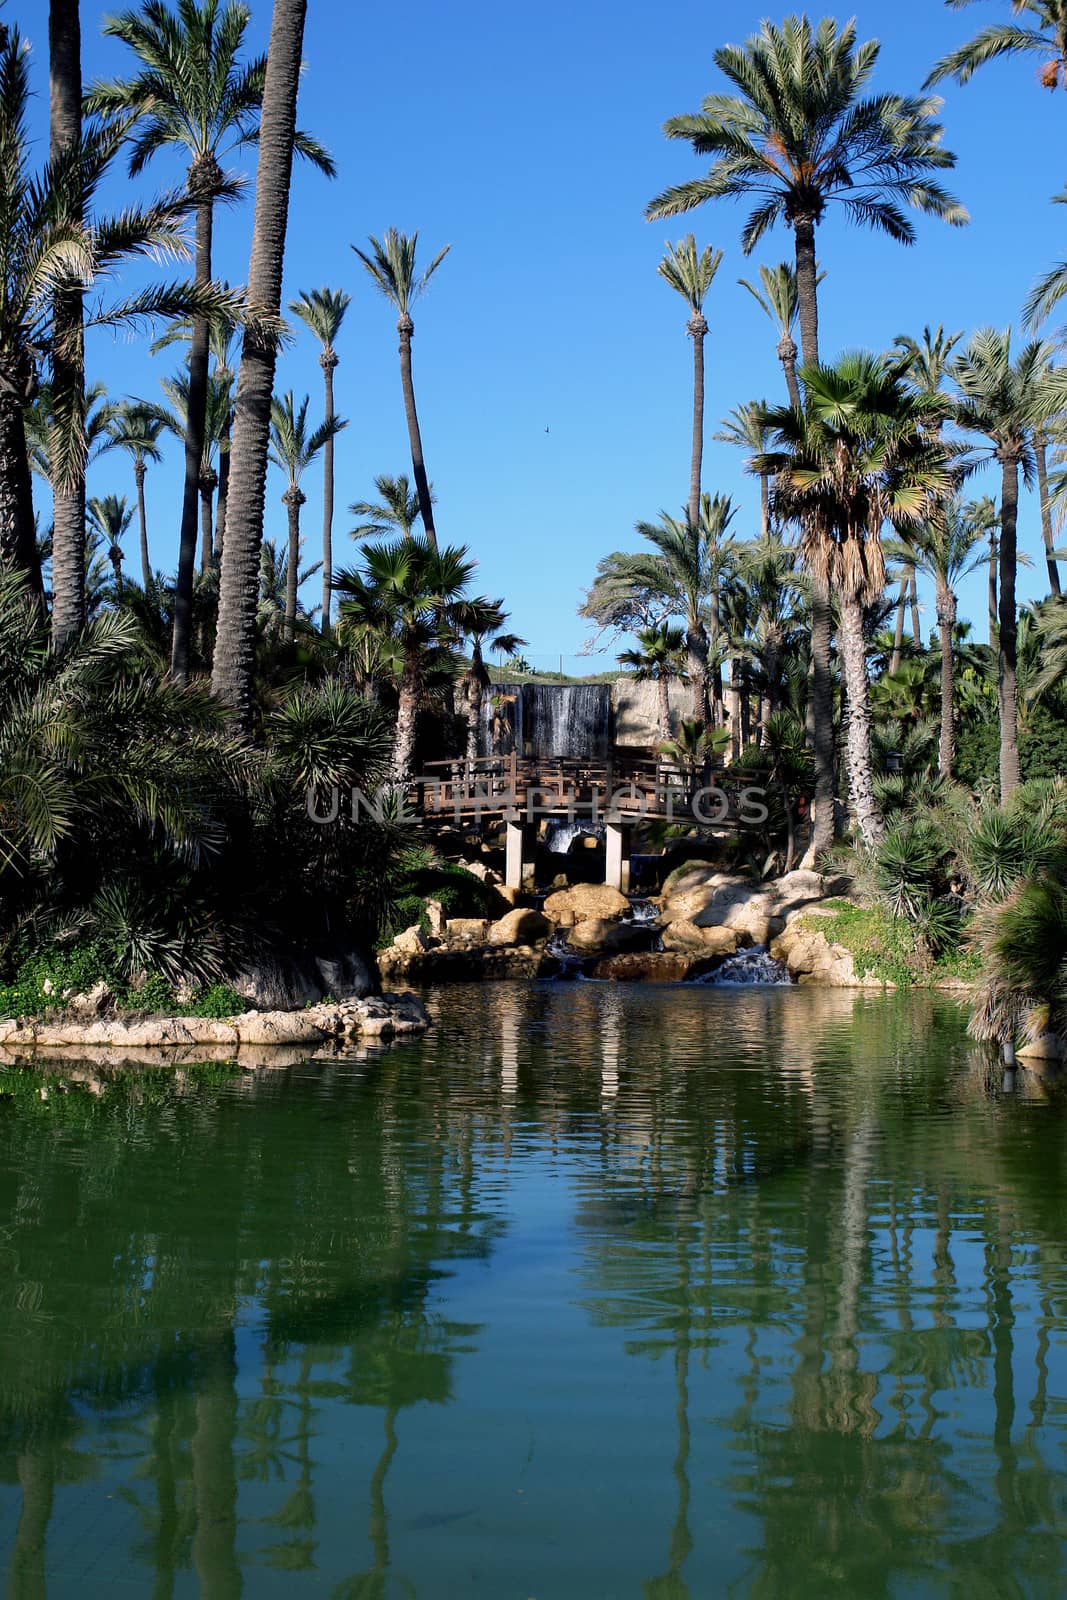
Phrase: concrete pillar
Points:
(617, 865)
(519, 858)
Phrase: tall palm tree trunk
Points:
(913, 601)
(224, 491)
(407, 709)
(663, 686)
(18, 543)
(234, 658)
(68, 357)
(139, 471)
(994, 562)
(946, 623)
(294, 499)
(474, 717)
(822, 685)
(1007, 683)
(697, 329)
(406, 329)
(327, 361)
(898, 626)
(204, 175)
(860, 765)
(1046, 511)
(696, 650)
(787, 355)
(207, 485)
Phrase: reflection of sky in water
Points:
(596, 1291)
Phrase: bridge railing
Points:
(627, 785)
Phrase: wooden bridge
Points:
(522, 792)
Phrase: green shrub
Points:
(218, 1001)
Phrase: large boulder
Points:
(598, 936)
(521, 926)
(466, 930)
(812, 958)
(411, 942)
(586, 902)
(648, 966)
(689, 936)
(345, 973)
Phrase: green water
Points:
(597, 1291)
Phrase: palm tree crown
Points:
(397, 507)
(797, 135)
(391, 264)
(322, 311)
(293, 446)
(690, 273)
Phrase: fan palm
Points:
(408, 591)
(659, 657)
(484, 623)
(293, 448)
(193, 93)
(135, 429)
(233, 662)
(391, 265)
(397, 507)
(1006, 398)
(859, 456)
(690, 273)
(797, 137)
(323, 311)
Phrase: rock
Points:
(688, 936)
(411, 941)
(521, 926)
(598, 936)
(276, 1027)
(650, 966)
(586, 902)
(466, 930)
(509, 895)
(93, 1001)
(812, 959)
(272, 984)
(1045, 1046)
(435, 919)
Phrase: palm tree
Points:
(684, 568)
(860, 455)
(218, 413)
(48, 244)
(408, 591)
(391, 265)
(195, 94)
(234, 658)
(944, 548)
(484, 623)
(110, 517)
(294, 448)
(779, 301)
(691, 275)
(323, 311)
(135, 429)
(1047, 39)
(397, 507)
(1006, 399)
(745, 428)
(275, 565)
(68, 351)
(659, 657)
(796, 138)
(766, 570)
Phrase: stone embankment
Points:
(328, 1028)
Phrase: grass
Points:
(889, 948)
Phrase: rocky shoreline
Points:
(702, 918)
(330, 1028)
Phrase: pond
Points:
(596, 1291)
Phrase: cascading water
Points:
(754, 967)
(569, 720)
(560, 835)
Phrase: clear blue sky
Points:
(530, 138)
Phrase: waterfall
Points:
(560, 835)
(572, 720)
(546, 720)
(752, 966)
